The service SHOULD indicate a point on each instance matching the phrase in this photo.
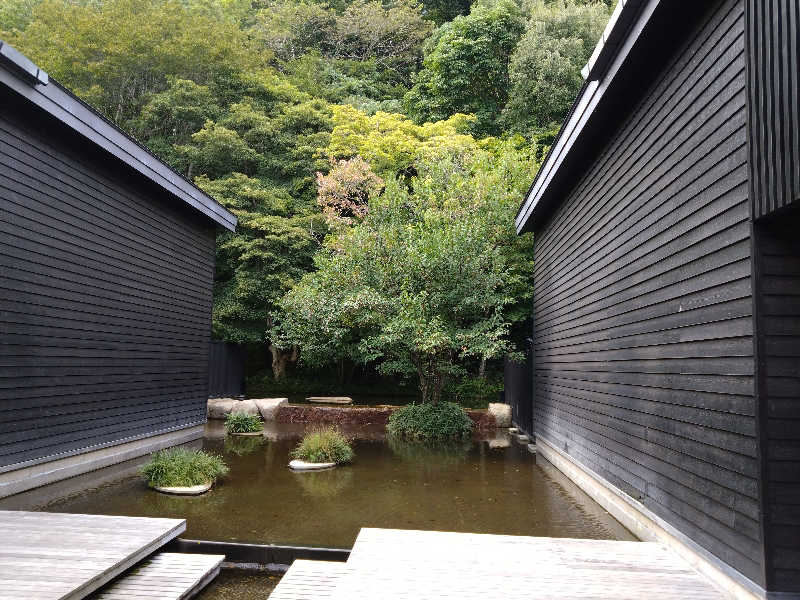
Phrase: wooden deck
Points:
(394, 564)
(53, 556)
(165, 576)
(309, 579)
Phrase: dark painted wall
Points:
(106, 297)
(778, 252)
(643, 345)
(226, 370)
(774, 89)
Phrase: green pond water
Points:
(482, 486)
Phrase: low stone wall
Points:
(359, 415)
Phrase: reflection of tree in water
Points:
(430, 455)
(241, 445)
(325, 484)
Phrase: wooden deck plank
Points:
(400, 564)
(166, 575)
(309, 580)
(56, 556)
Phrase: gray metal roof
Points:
(19, 74)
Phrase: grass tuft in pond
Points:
(430, 422)
(242, 423)
(323, 445)
(179, 467)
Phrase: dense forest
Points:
(375, 153)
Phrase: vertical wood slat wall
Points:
(778, 258)
(774, 106)
(106, 302)
(643, 339)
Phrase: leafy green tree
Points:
(546, 65)
(16, 14)
(441, 11)
(292, 28)
(217, 151)
(390, 142)
(465, 69)
(392, 35)
(271, 249)
(423, 282)
(117, 53)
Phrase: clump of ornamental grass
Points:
(324, 445)
(430, 422)
(179, 467)
(242, 423)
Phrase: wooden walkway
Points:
(52, 556)
(395, 564)
(165, 576)
(307, 579)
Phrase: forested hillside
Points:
(375, 153)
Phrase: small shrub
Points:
(324, 445)
(430, 422)
(179, 467)
(242, 423)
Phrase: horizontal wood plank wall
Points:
(779, 306)
(106, 298)
(643, 347)
(774, 89)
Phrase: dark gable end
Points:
(106, 275)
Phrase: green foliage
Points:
(430, 422)
(243, 423)
(116, 53)
(391, 143)
(545, 68)
(324, 445)
(465, 69)
(473, 392)
(427, 279)
(179, 467)
(441, 11)
(16, 14)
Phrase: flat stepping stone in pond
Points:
(301, 465)
(190, 490)
(331, 399)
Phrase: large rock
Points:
(502, 414)
(219, 408)
(268, 407)
(247, 407)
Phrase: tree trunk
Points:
(482, 368)
(280, 360)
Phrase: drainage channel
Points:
(264, 557)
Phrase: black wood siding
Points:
(779, 379)
(774, 89)
(106, 297)
(643, 345)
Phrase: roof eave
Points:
(627, 22)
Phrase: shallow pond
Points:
(482, 486)
(239, 585)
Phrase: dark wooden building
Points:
(666, 337)
(106, 269)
